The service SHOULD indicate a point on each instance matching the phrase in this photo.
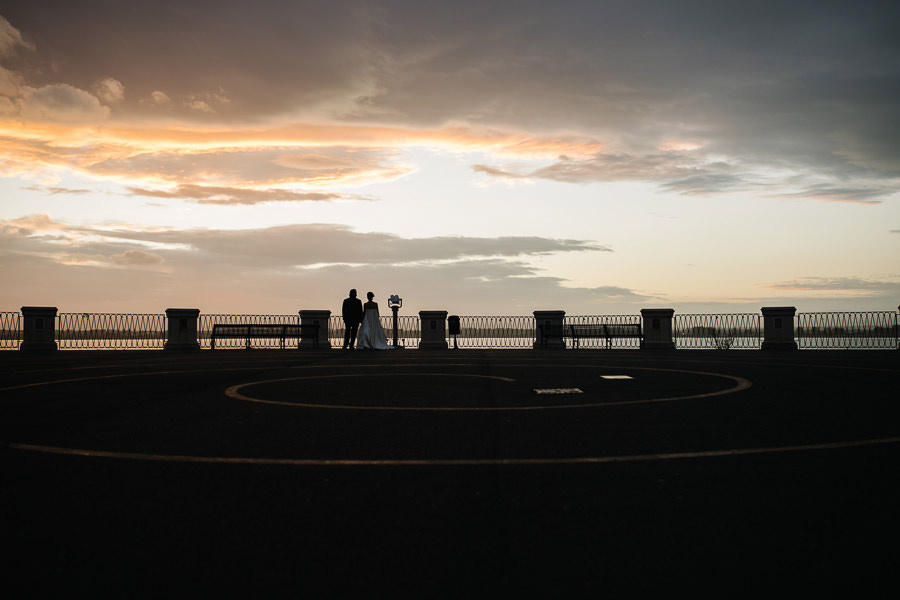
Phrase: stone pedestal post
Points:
(38, 328)
(182, 329)
(657, 328)
(434, 330)
(778, 328)
(552, 319)
(320, 318)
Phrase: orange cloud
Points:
(61, 127)
(109, 90)
(31, 224)
(231, 196)
(136, 258)
(151, 155)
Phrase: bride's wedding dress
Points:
(371, 334)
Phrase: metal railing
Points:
(206, 322)
(10, 330)
(847, 330)
(717, 331)
(110, 331)
(494, 332)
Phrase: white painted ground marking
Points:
(617, 377)
(557, 391)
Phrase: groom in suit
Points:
(352, 311)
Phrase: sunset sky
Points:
(596, 157)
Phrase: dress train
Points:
(371, 334)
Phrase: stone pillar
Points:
(434, 330)
(552, 319)
(657, 328)
(778, 328)
(38, 328)
(182, 329)
(320, 318)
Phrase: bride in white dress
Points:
(371, 334)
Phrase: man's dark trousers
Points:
(350, 330)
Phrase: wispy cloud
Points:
(686, 172)
(56, 190)
(831, 193)
(841, 285)
(316, 244)
(487, 269)
(230, 196)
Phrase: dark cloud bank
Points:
(806, 88)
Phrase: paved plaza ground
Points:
(451, 473)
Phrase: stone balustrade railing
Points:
(658, 326)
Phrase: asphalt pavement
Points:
(414, 473)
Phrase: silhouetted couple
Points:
(362, 323)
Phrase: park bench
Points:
(547, 332)
(579, 332)
(269, 331)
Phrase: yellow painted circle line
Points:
(741, 384)
(121, 376)
(585, 460)
(235, 392)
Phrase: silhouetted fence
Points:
(110, 330)
(495, 332)
(847, 330)
(718, 331)
(10, 330)
(820, 330)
